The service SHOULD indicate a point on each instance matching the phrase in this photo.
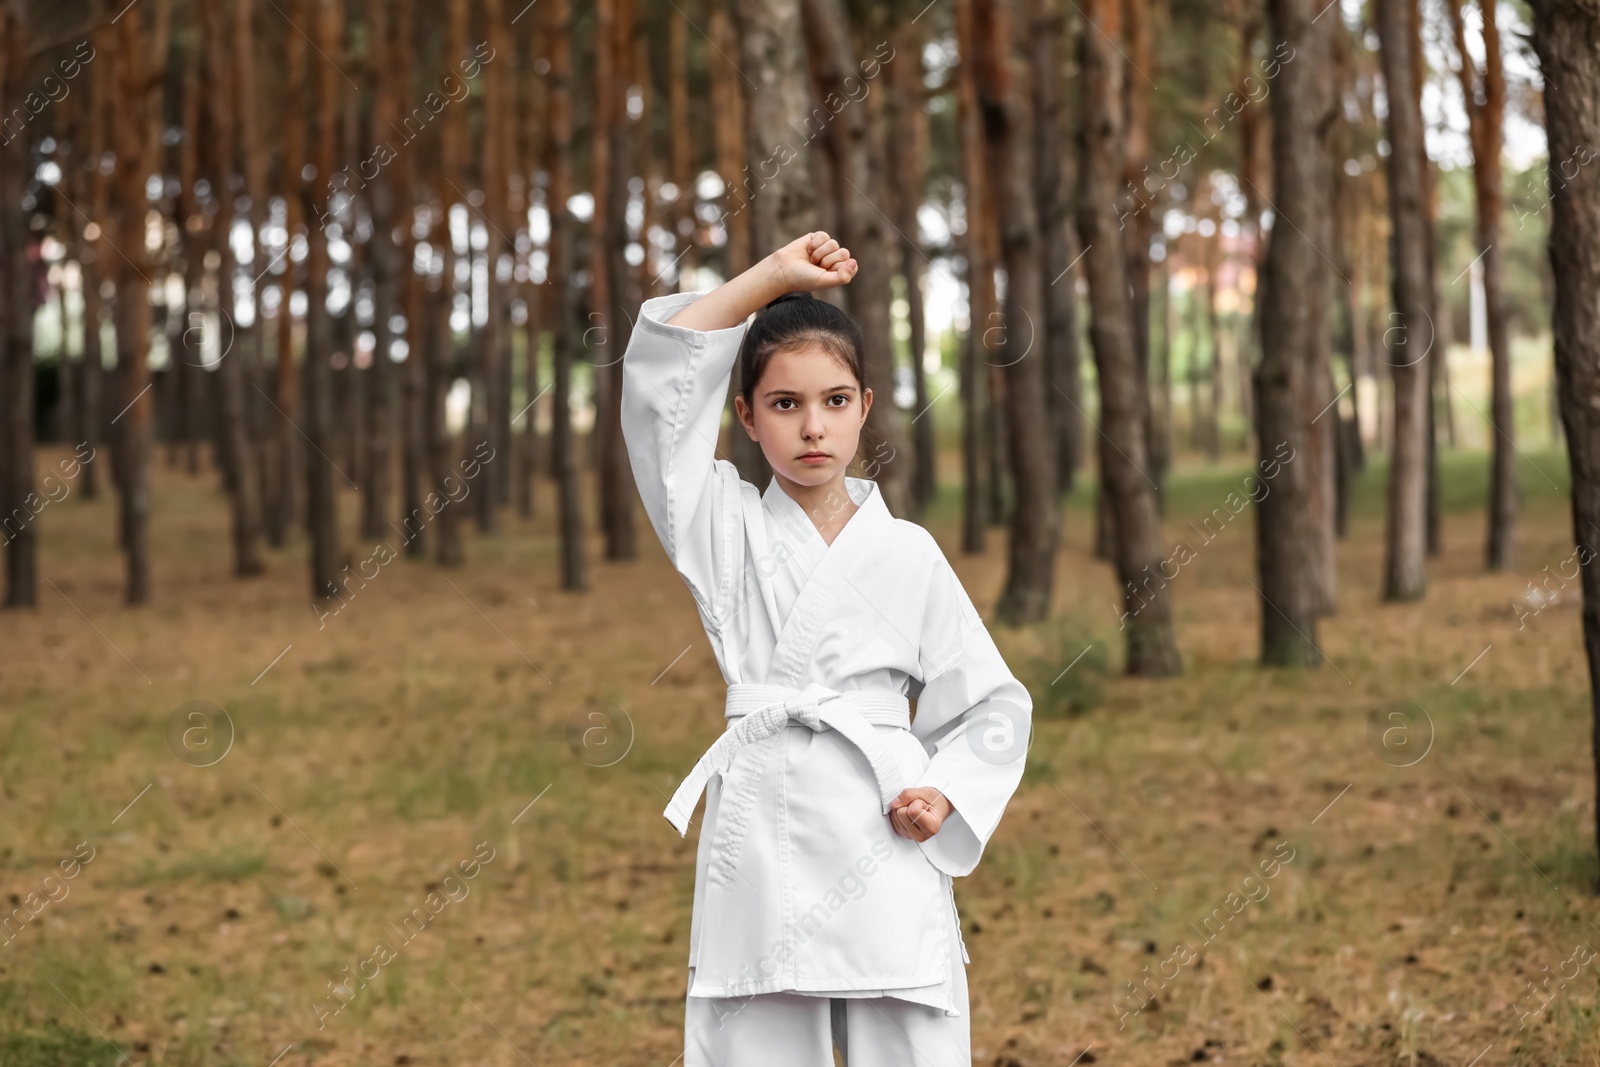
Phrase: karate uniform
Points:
(802, 887)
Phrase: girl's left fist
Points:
(919, 811)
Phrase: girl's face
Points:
(806, 412)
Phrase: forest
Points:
(1243, 356)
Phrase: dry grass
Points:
(428, 715)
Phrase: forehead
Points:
(810, 367)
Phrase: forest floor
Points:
(1427, 789)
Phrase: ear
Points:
(866, 404)
(746, 417)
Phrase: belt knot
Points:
(805, 706)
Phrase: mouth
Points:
(815, 457)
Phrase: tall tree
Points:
(1151, 650)
(1064, 388)
(1288, 281)
(1566, 35)
(908, 153)
(229, 377)
(1438, 387)
(17, 302)
(388, 278)
(322, 525)
(411, 293)
(615, 288)
(448, 173)
(1411, 336)
(282, 442)
(1484, 91)
(979, 283)
(558, 156)
(141, 57)
(1318, 402)
(257, 158)
(96, 261)
(1036, 514)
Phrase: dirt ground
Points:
(1384, 860)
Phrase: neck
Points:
(828, 505)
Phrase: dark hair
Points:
(796, 319)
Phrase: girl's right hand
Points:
(813, 261)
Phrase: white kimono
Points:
(801, 882)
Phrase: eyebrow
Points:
(829, 391)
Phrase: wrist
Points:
(767, 280)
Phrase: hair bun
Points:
(793, 294)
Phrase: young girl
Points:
(824, 912)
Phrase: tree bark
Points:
(1566, 36)
(1131, 495)
(18, 498)
(615, 290)
(283, 501)
(1410, 336)
(1064, 391)
(322, 527)
(1485, 93)
(142, 60)
(979, 283)
(229, 377)
(908, 150)
(1283, 523)
(1036, 517)
(563, 449)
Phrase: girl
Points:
(824, 912)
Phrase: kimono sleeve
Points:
(674, 387)
(974, 715)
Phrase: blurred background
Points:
(1240, 355)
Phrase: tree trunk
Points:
(1253, 131)
(141, 58)
(1036, 516)
(1284, 552)
(1139, 228)
(253, 341)
(563, 449)
(979, 283)
(1064, 390)
(97, 265)
(1485, 93)
(322, 527)
(1566, 35)
(232, 367)
(1438, 325)
(282, 504)
(1131, 495)
(615, 290)
(17, 301)
(387, 281)
(1318, 401)
(1411, 335)
(908, 151)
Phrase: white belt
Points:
(757, 712)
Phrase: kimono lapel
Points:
(829, 577)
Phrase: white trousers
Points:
(794, 1030)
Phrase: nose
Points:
(812, 429)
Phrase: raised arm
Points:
(674, 380)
